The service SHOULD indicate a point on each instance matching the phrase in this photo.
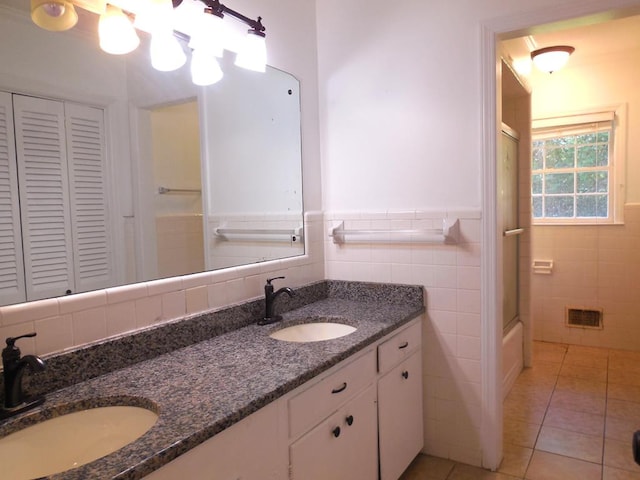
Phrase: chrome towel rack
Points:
(270, 234)
(165, 190)
(449, 234)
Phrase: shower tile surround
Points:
(595, 266)
(246, 369)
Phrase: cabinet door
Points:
(12, 287)
(44, 196)
(343, 447)
(400, 416)
(252, 449)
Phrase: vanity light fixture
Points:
(201, 23)
(550, 59)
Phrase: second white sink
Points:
(313, 332)
(71, 440)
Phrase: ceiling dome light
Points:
(116, 32)
(253, 52)
(54, 15)
(205, 69)
(166, 52)
(550, 59)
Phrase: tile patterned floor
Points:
(569, 417)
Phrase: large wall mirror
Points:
(112, 173)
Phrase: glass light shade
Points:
(205, 69)
(551, 59)
(155, 16)
(166, 52)
(253, 53)
(209, 34)
(54, 15)
(117, 35)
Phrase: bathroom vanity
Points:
(241, 404)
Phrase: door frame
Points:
(491, 32)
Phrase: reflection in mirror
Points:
(114, 173)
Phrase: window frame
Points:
(569, 123)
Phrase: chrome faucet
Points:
(14, 367)
(270, 297)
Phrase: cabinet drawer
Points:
(323, 398)
(399, 347)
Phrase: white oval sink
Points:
(66, 442)
(313, 332)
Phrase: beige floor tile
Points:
(619, 428)
(426, 467)
(575, 421)
(624, 376)
(586, 360)
(547, 466)
(523, 412)
(520, 433)
(630, 393)
(467, 472)
(610, 473)
(619, 455)
(580, 403)
(598, 374)
(570, 444)
(581, 350)
(541, 392)
(515, 460)
(623, 409)
(581, 386)
(627, 354)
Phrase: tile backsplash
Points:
(67, 322)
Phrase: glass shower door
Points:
(511, 232)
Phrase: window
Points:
(573, 170)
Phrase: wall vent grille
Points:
(584, 318)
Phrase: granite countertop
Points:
(201, 389)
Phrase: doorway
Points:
(492, 33)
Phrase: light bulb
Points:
(54, 9)
(54, 15)
(205, 69)
(117, 35)
(253, 52)
(166, 52)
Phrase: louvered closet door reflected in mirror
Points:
(63, 205)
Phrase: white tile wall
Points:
(594, 267)
(451, 277)
(67, 322)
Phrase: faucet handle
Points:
(11, 341)
(269, 280)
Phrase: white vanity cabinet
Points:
(360, 420)
(400, 401)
